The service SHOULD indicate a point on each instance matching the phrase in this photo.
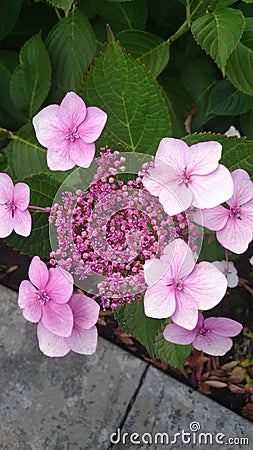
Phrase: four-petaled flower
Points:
(211, 335)
(84, 336)
(69, 131)
(230, 272)
(185, 176)
(44, 298)
(233, 226)
(14, 201)
(178, 287)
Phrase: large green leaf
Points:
(65, 5)
(43, 190)
(172, 354)
(218, 33)
(240, 68)
(226, 100)
(137, 115)
(132, 319)
(237, 153)
(199, 78)
(71, 46)
(222, 3)
(246, 121)
(8, 17)
(149, 49)
(30, 82)
(122, 16)
(247, 38)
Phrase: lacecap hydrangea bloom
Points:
(69, 131)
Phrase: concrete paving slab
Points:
(164, 405)
(70, 403)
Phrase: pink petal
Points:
(38, 273)
(85, 311)
(243, 188)
(72, 110)
(60, 285)
(83, 341)
(178, 335)
(186, 312)
(213, 344)
(48, 127)
(6, 189)
(21, 196)
(180, 258)
(223, 326)
(203, 158)
(28, 302)
(6, 221)
(58, 319)
(154, 270)
(22, 222)
(58, 157)
(93, 124)
(50, 344)
(203, 185)
(173, 152)
(158, 177)
(206, 284)
(82, 154)
(175, 198)
(159, 301)
(213, 218)
(236, 235)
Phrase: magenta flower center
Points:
(203, 332)
(72, 134)
(235, 212)
(10, 206)
(177, 284)
(42, 296)
(184, 177)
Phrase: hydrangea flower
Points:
(69, 131)
(232, 131)
(14, 201)
(233, 226)
(230, 272)
(177, 287)
(185, 176)
(211, 335)
(44, 298)
(84, 336)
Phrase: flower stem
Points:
(38, 208)
(181, 30)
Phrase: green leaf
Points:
(218, 33)
(172, 354)
(122, 16)
(71, 47)
(10, 117)
(248, 1)
(130, 96)
(149, 49)
(179, 102)
(212, 251)
(247, 37)
(199, 78)
(65, 5)
(246, 121)
(30, 82)
(222, 3)
(133, 320)
(26, 156)
(237, 153)
(240, 67)
(43, 190)
(226, 100)
(8, 17)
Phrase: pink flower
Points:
(68, 132)
(84, 336)
(211, 335)
(234, 226)
(45, 298)
(14, 201)
(177, 287)
(185, 176)
(229, 271)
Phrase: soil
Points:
(225, 379)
